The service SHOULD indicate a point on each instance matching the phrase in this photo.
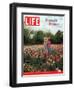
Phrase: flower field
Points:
(36, 59)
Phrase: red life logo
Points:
(32, 21)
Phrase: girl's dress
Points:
(49, 47)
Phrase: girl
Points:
(49, 46)
(45, 47)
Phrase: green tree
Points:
(39, 37)
(26, 36)
(48, 34)
(59, 37)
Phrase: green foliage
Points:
(26, 36)
(41, 64)
(59, 37)
(60, 64)
(38, 37)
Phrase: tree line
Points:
(37, 37)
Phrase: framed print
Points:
(40, 44)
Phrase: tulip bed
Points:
(36, 59)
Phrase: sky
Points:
(50, 23)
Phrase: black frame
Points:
(13, 44)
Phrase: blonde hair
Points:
(45, 39)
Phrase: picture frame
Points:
(33, 17)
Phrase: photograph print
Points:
(42, 44)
